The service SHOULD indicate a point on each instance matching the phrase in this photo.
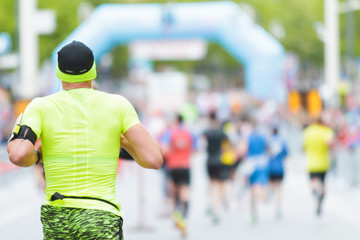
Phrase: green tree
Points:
(8, 18)
(296, 17)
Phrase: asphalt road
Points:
(20, 200)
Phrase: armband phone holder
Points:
(16, 128)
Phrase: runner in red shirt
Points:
(178, 144)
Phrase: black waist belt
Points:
(58, 196)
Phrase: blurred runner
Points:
(219, 172)
(243, 170)
(238, 148)
(178, 144)
(278, 151)
(317, 142)
(257, 164)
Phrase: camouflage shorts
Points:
(77, 223)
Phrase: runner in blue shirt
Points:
(278, 151)
(257, 158)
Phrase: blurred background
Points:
(281, 62)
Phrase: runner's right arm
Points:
(21, 152)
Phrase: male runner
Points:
(259, 176)
(278, 151)
(317, 142)
(218, 172)
(81, 132)
(178, 145)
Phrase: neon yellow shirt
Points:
(80, 135)
(316, 139)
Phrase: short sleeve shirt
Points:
(315, 140)
(80, 132)
(214, 138)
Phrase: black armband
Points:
(25, 132)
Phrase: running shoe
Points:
(215, 219)
(177, 216)
(278, 214)
(180, 222)
(253, 219)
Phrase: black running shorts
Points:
(180, 176)
(318, 175)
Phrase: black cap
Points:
(75, 58)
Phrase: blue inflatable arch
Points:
(111, 25)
